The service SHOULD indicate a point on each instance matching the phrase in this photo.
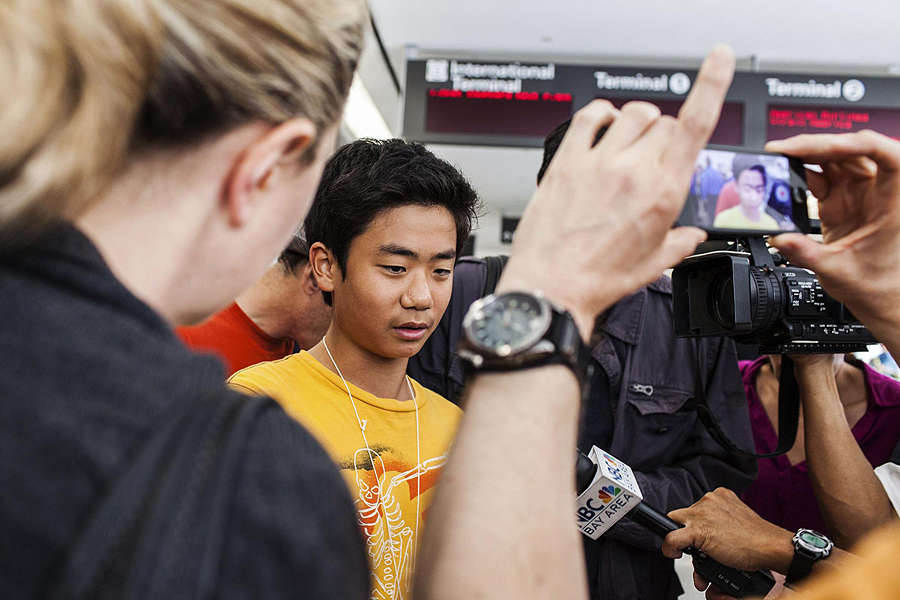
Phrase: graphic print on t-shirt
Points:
(409, 442)
(390, 534)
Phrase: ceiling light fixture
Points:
(361, 116)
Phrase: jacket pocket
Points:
(657, 425)
(660, 413)
(650, 400)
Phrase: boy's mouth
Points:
(411, 331)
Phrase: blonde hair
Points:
(86, 84)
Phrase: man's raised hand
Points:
(600, 224)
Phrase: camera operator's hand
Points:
(599, 225)
(859, 206)
(731, 533)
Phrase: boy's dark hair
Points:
(295, 255)
(554, 139)
(742, 163)
(366, 177)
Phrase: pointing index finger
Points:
(699, 115)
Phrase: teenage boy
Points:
(384, 231)
(750, 182)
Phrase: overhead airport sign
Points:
(517, 102)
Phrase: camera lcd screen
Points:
(733, 191)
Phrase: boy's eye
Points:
(442, 272)
(394, 269)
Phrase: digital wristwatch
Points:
(809, 546)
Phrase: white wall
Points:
(487, 240)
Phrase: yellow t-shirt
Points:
(733, 218)
(317, 398)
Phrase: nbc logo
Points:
(607, 493)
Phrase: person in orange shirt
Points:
(285, 307)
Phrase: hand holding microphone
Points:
(729, 529)
(608, 491)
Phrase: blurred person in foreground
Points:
(211, 122)
(158, 157)
(858, 264)
(638, 409)
(282, 310)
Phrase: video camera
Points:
(746, 296)
(743, 292)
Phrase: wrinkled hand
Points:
(731, 533)
(859, 206)
(599, 225)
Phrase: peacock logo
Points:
(607, 493)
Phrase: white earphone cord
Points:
(362, 429)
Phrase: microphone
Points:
(607, 491)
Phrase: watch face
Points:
(811, 539)
(508, 323)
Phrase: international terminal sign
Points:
(516, 103)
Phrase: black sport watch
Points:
(809, 546)
(517, 330)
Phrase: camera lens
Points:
(765, 300)
(721, 300)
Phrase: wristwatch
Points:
(809, 546)
(517, 330)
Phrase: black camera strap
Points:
(788, 415)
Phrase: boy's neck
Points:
(380, 376)
(754, 214)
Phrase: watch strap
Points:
(801, 564)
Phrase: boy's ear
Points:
(324, 266)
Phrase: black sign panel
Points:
(729, 131)
(786, 120)
(459, 101)
(527, 114)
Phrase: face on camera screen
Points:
(740, 192)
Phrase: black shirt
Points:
(87, 372)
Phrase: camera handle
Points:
(759, 252)
(788, 415)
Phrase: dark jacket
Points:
(87, 373)
(655, 430)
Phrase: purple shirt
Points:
(783, 494)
